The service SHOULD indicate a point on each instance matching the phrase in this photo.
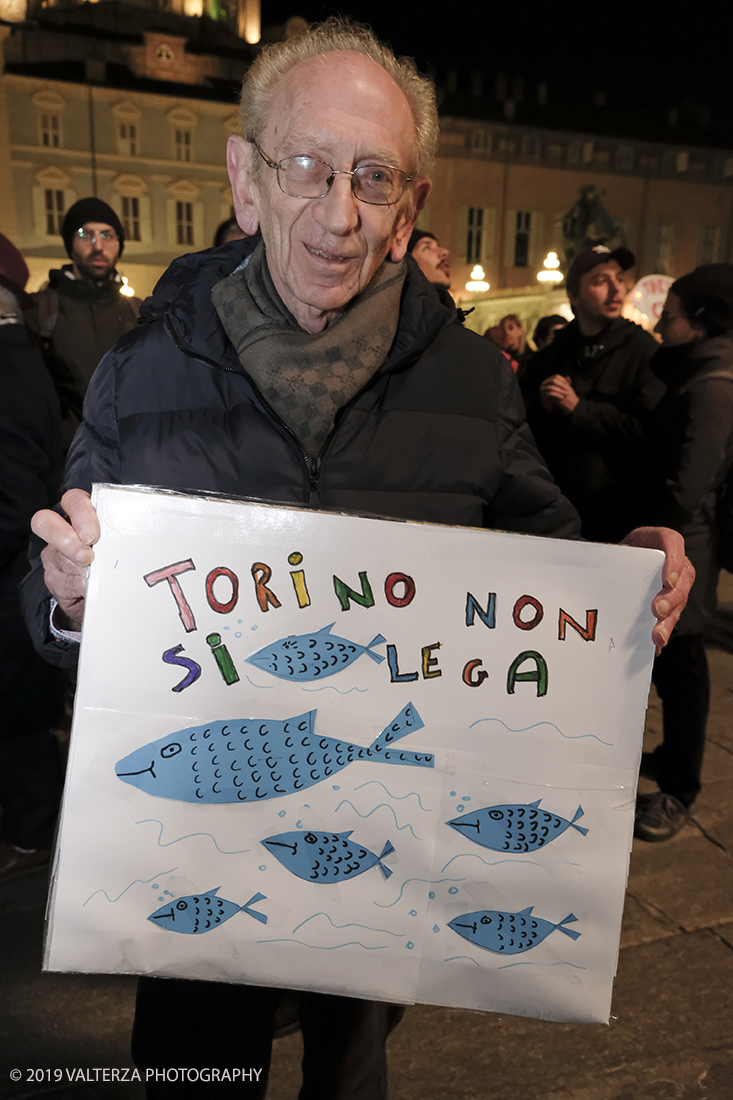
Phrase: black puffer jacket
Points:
(593, 452)
(437, 435)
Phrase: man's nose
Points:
(338, 211)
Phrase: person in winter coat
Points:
(690, 454)
(31, 691)
(589, 393)
(315, 365)
(82, 311)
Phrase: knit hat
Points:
(417, 235)
(90, 210)
(589, 258)
(706, 295)
(13, 272)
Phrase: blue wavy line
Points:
(397, 797)
(330, 687)
(453, 958)
(524, 729)
(143, 880)
(574, 965)
(146, 820)
(509, 965)
(427, 880)
(351, 943)
(265, 687)
(382, 806)
(398, 935)
(475, 855)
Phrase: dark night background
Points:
(649, 61)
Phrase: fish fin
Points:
(368, 649)
(214, 891)
(579, 813)
(250, 912)
(347, 834)
(388, 848)
(534, 805)
(326, 629)
(527, 911)
(407, 721)
(385, 870)
(568, 931)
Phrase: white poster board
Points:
(353, 755)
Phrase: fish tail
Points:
(568, 931)
(251, 912)
(407, 721)
(579, 813)
(368, 649)
(387, 850)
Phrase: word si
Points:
(399, 592)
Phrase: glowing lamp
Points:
(477, 282)
(550, 274)
(126, 289)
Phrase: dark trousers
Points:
(681, 677)
(206, 1024)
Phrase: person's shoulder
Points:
(194, 274)
(625, 333)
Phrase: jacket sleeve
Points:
(706, 453)
(528, 500)
(623, 415)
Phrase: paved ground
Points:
(671, 1037)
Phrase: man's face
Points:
(433, 261)
(92, 256)
(344, 109)
(601, 294)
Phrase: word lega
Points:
(399, 592)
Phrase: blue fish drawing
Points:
(508, 933)
(515, 827)
(325, 857)
(303, 657)
(247, 761)
(197, 913)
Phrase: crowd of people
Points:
(323, 276)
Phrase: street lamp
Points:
(550, 273)
(477, 282)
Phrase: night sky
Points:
(643, 60)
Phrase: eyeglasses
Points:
(108, 235)
(305, 177)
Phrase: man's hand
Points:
(677, 577)
(69, 552)
(556, 392)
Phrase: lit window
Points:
(183, 144)
(54, 205)
(128, 139)
(521, 239)
(184, 222)
(474, 234)
(131, 217)
(51, 131)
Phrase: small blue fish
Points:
(508, 933)
(302, 657)
(246, 761)
(515, 827)
(325, 857)
(199, 913)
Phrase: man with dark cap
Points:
(589, 393)
(82, 311)
(433, 261)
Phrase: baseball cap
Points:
(589, 258)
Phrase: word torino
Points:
(399, 592)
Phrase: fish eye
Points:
(181, 905)
(496, 815)
(310, 838)
(170, 750)
(485, 920)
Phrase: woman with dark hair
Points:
(690, 456)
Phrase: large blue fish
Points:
(508, 933)
(515, 827)
(325, 857)
(246, 761)
(199, 913)
(301, 657)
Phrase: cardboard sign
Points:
(353, 755)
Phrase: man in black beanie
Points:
(83, 310)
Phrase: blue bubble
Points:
(466, 797)
(263, 867)
(431, 895)
(452, 889)
(281, 813)
(298, 825)
(413, 912)
(336, 787)
(161, 899)
(155, 886)
(170, 895)
(254, 627)
(460, 808)
(453, 794)
(239, 622)
(409, 945)
(227, 628)
(436, 928)
(238, 634)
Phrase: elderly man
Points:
(314, 366)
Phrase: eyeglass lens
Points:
(308, 178)
(92, 235)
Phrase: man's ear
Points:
(239, 159)
(405, 228)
